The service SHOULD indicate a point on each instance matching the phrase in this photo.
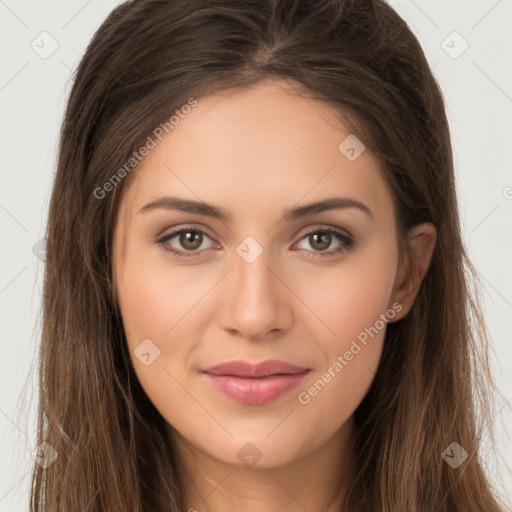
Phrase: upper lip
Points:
(247, 369)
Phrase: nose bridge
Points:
(255, 304)
(254, 280)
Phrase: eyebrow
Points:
(201, 208)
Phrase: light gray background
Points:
(477, 86)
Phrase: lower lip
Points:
(256, 391)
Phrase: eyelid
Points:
(180, 227)
(325, 227)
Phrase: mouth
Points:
(255, 384)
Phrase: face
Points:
(263, 279)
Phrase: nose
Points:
(256, 302)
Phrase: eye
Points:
(189, 240)
(321, 239)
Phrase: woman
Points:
(256, 293)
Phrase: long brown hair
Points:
(146, 61)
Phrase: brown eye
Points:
(185, 242)
(190, 240)
(320, 240)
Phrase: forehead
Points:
(254, 149)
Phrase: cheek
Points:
(154, 300)
(351, 302)
(154, 310)
(154, 305)
(351, 297)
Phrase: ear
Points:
(413, 266)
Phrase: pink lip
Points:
(255, 384)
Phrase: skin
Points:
(258, 153)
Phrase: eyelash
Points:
(347, 241)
